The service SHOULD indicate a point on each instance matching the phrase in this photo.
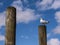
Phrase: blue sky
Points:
(28, 14)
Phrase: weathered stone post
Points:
(42, 35)
(10, 26)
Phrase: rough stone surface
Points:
(10, 26)
(42, 35)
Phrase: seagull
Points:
(42, 21)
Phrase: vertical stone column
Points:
(10, 26)
(42, 35)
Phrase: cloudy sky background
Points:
(28, 16)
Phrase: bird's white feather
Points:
(43, 21)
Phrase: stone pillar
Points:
(10, 26)
(42, 35)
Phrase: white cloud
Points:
(24, 37)
(48, 4)
(2, 19)
(26, 1)
(56, 4)
(44, 4)
(24, 16)
(48, 35)
(2, 37)
(57, 16)
(1, 3)
(53, 41)
(56, 30)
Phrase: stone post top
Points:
(42, 25)
(11, 7)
